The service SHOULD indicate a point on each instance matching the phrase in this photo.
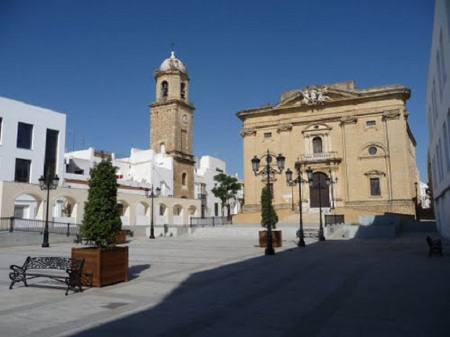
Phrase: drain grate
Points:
(114, 305)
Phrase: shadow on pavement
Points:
(331, 288)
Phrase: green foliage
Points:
(101, 219)
(268, 213)
(227, 188)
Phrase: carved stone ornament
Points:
(375, 173)
(284, 127)
(348, 120)
(391, 114)
(247, 132)
(315, 96)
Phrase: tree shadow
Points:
(134, 271)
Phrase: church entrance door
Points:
(319, 181)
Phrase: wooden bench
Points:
(36, 267)
(434, 245)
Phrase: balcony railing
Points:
(317, 157)
(201, 196)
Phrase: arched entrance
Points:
(324, 193)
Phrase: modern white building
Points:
(30, 136)
(32, 141)
(206, 169)
(438, 113)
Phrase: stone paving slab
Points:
(187, 286)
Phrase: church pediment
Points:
(315, 95)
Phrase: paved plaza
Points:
(196, 286)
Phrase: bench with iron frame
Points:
(434, 245)
(35, 267)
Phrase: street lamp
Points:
(299, 180)
(150, 193)
(319, 186)
(49, 182)
(333, 203)
(268, 171)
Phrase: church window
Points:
(317, 145)
(375, 187)
(183, 90)
(164, 89)
(371, 123)
(267, 134)
(184, 179)
(372, 150)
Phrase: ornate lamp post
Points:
(299, 180)
(49, 182)
(268, 170)
(319, 186)
(331, 183)
(150, 193)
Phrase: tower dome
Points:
(172, 63)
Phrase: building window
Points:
(317, 145)
(24, 135)
(439, 73)
(176, 210)
(1, 126)
(183, 90)
(372, 150)
(162, 209)
(22, 173)
(375, 186)
(371, 123)
(184, 179)
(51, 151)
(216, 209)
(164, 89)
(447, 155)
(267, 134)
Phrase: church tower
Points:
(171, 123)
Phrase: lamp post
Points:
(268, 170)
(299, 180)
(333, 204)
(319, 186)
(49, 182)
(150, 193)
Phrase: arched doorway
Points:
(319, 181)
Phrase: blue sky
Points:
(94, 60)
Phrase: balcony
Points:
(201, 196)
(319, 157)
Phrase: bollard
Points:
(11, 224)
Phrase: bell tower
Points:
(171, 123)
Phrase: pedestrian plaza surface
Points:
(198, 286)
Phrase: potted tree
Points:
(105, 263)
(268, 215)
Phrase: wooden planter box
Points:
(276, 238)
(121, 237)
(103, 267)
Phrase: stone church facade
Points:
(359, 138)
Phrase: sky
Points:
(94, 60)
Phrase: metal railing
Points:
(13, 224)
(210, 221)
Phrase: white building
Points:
(32, 140)
(438, 113)
(29, 137)
(206, 169)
